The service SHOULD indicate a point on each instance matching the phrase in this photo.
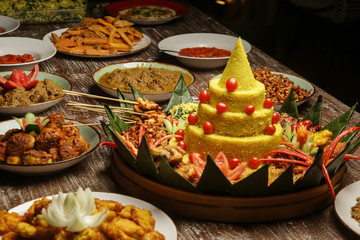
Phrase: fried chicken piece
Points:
(122, 228)
(8, 221)
(154, 235)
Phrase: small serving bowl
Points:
(157, 97)
(9, 24)
(37, 107)
(90, 134)
(189, 40)
(40, 49)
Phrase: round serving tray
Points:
(225, 208)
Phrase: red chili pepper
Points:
(141, 133)
(291, 153)
(164, 138)
(285, 160)
(109, 144)
(350, 156)
(328, 181)
(330, 149)
(289, 145)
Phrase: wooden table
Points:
(95, 172)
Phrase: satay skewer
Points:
(98, 97)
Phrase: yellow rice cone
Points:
(238, 67)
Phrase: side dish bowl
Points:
(179, 8)
(9, 24)
(90, 134)
(39, 49)
(37, 107)
(178, 42)
(157, 97)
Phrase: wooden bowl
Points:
(225, 208)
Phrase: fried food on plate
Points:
(98, 37)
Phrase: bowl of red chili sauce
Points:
(22, 53)
(201, 50)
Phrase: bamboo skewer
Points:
(97, 108)
(98, 97)
(82, 124)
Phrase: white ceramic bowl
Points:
(177, 42)
(37, 107)
(91, 135)
(9, 24)
(157, 97)
(40, 49)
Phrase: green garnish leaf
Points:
(121, 96)
(145, 161)
(289, 106)
(315, 113)
(117, 123)
(136, 93)
(255, 184)
(284, 183)
(313, 175)
(168, 176)
(107, 130)
(338, 125)
(212, 179)
(180, 95)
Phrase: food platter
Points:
(179, 8)
(297, 81)
(143, 44)
(38, 107)
(157, 97)
(346, 199)
(41, 51)
(9, 24)
(163, 222)
(90, 134)
(178, 42)
(225, 208)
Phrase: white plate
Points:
(139, 46)
(178, 42)
(297, 81)
(37, 107)
(157, 97)
(163, 223)
(9, 24)
(89, 133)
(41, 51)
(344, 200)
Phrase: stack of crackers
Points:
(98, 37)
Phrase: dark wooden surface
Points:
(95, 171)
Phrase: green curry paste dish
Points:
(256, 184)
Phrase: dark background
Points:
(318, 39)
